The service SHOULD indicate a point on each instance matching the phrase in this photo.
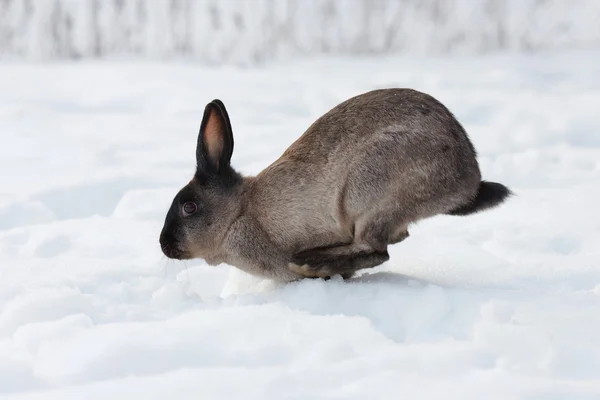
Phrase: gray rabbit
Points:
(337, 197)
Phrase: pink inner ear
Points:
(213, 138)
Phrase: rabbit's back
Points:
(342, 130)
(383, 150)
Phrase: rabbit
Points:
(334, 201)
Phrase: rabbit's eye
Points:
(189, 208)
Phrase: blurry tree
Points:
(251, 31)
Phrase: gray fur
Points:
(339, 195)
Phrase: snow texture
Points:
(252, 31)
(500, 305)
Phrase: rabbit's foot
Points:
(327, 262)
(307, 271)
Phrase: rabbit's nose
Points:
(168, 242)
(171, 246)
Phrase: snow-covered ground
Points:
(501, 305)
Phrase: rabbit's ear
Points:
(215, 140)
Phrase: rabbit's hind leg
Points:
(341, 260)
(373, 235)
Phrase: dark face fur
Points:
(199, 213)
(185, 214)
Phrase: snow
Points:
(504, 304)
(250, 32)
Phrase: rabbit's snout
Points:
(171, 246)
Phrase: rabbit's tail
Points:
(489, 195)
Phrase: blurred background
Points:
(255, 31)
